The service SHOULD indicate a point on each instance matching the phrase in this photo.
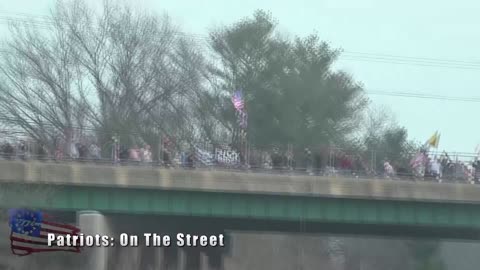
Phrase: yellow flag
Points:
(434, 140)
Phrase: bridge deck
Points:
(234, 182)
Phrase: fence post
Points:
(159, 150)
(115, 149)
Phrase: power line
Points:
(424, 96)
(413, 58)
(29, 15)
(44, 22)
(409, 62)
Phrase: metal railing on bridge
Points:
(332, 162)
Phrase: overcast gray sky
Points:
(410, 28)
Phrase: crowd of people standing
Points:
(422, 166)
(437, 168)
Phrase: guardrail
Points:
(300, 171)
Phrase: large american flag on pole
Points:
(237, 100)
(242, 117)
(239, 105)
(29, 231)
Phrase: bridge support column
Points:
(215, 261)
(170, 258)
(187, 259)
(192, 259)
(158, 258)
(92, 223)
(182, 259)
(204, 261)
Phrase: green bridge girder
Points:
(243, 211)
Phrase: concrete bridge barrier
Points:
(230, 181)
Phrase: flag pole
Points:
(238, 100)
(246, 150)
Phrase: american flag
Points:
(418, 160)
(29, 233)
(237, 100)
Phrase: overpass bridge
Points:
(213, 201)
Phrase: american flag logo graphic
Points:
(29, 231)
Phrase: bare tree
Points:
(41, 92)
(119, 70)
(144, 73)
(377, 120)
